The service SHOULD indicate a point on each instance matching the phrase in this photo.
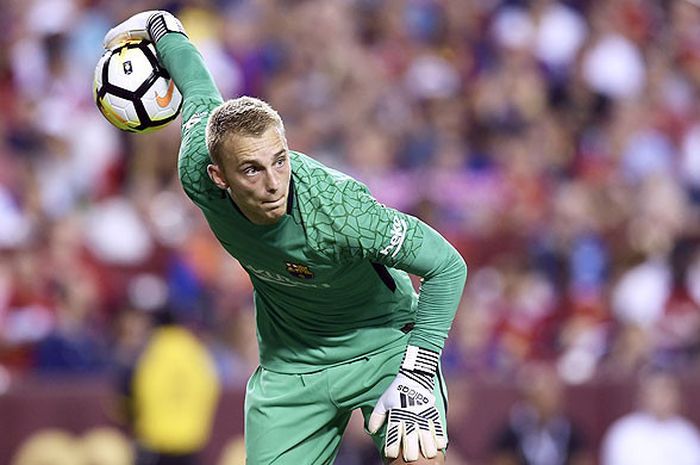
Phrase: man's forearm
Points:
(186, 66)
(444, 273)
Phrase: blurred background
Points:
(556, 144)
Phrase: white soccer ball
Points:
(133, 91)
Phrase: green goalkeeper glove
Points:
(414, 423)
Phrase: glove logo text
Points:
(410, 397)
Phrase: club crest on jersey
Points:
(299, 271)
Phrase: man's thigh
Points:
(290, 419)
(360, 384)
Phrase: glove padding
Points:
(414, 423)
(150, 25)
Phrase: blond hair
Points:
(246, 116)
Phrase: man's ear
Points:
(216, 175)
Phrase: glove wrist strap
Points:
(161, 23)
(420, 359)
(420, 365)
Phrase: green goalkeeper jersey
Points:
(330, 277)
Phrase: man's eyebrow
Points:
(254, 161)
(247, 161)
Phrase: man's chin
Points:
(275, 214)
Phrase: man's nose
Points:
(272, 181)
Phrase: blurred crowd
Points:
(555, 143)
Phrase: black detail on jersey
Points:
(385, 276)
(290, 196)
(408, 327)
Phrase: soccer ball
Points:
(133, 91)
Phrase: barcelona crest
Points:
(299, 271)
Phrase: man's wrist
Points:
(420, 365)
(162, 22)
(419, 359)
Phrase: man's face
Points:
(256, 173)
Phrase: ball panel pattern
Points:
(133, 91)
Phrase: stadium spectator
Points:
(655, 433)
(49, 446)
(106, 446)
(170, 394)
(538, 431)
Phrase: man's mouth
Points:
(271, 202)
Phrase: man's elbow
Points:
(464, 270)
(461, 267)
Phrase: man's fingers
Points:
(118, 38)
(428, 442)
(440, 438)
(376, 420)
(131, 29)
(411, 449)
(394, 432)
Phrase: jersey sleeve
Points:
(200, 96)
(367, 230)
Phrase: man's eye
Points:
(250, 171)
(281, 162)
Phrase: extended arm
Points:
(444, 273)
(413, 421)
(200, 96)
(383, 235)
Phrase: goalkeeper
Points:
(339, 326)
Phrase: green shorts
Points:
(299, 419)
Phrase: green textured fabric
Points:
(306, 429)
(330, 277)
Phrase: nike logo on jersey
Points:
(398, 235)
(163, 102)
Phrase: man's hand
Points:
(414, 423)
(150, 25)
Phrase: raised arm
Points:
(188, 70)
